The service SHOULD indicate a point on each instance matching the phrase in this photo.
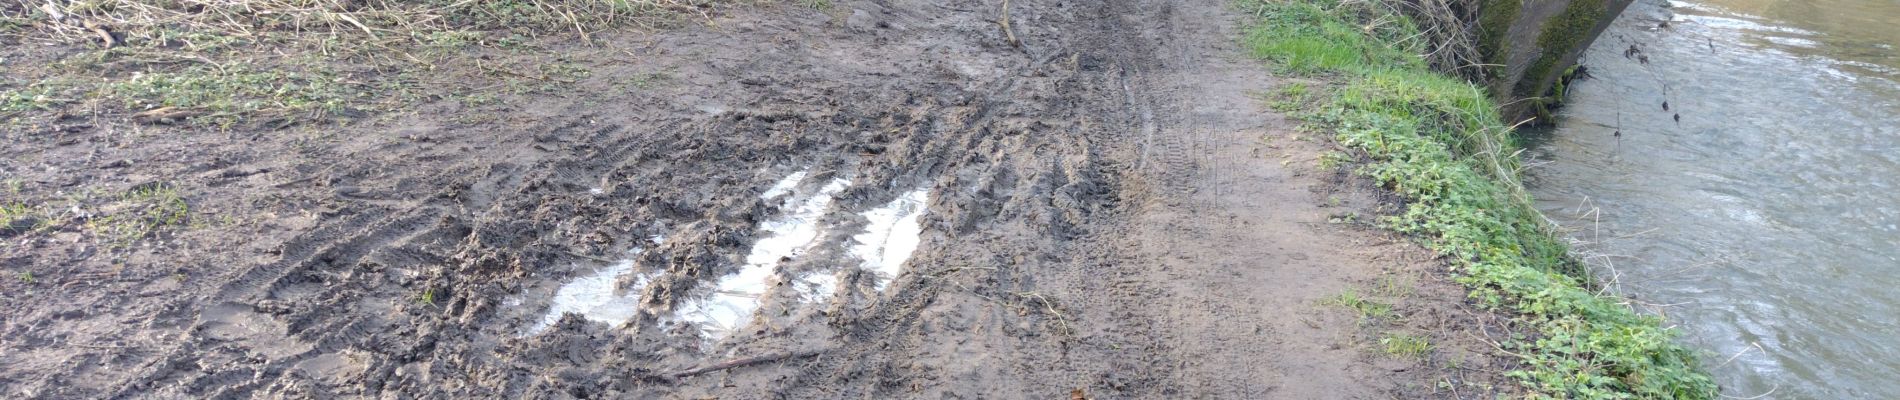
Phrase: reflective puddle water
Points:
(892, 235)
(595, 296)
(785, 237)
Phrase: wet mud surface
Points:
(888, 199)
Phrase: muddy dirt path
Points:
(1106, 207)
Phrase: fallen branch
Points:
(165, 115)
(97, 29)
(742, 362)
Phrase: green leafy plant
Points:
(426, 298)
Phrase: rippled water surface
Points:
(1765, 222)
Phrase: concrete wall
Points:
(1532, 43)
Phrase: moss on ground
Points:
(1439, 142)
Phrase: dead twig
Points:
(1008, 34)
(165, 115)
(98, 29)
(1051, 308)
(741, 362)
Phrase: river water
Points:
(1765, 222)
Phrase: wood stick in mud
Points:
(744, 362)
(97, 29)
(1008, 34)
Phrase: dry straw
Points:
(118, 21)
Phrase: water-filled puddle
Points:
(790, 234)
(596, 297)
(784, 186)
(892, 235)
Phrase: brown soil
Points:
(1113, 214)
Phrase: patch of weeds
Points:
(199, 41)
(232, 94)
(10, 212)
(27, 277)
(1367, 308)
(1295, 90)
(513, 41)
(1405, 345)
(1440, 143)
(1307, 36)
(449, 39)
(271, 60)
(643, 81)
(548, 16)
(20, 218)
(11, 24)
(563, 72)
(41, 95)
(1291, 97)
(480, 99)
(517, 86)
(140, 212)
(426, 298)
(1396, 285)
(1332, 160)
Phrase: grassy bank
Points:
(1439, 143)
(275, 63)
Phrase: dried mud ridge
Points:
(1103, 215)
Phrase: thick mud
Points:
(887, 199)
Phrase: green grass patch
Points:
(1439, 143)
(1306, 37)
(1290, 97)
(225, 94)
(426, 298)
(140, 212)
(1405, 345)
(1366, 307)
(38, 96)
(18, 218)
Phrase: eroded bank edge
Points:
(1439, 143)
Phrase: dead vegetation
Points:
(1442, 31)
(109, 22)
(275, 63)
